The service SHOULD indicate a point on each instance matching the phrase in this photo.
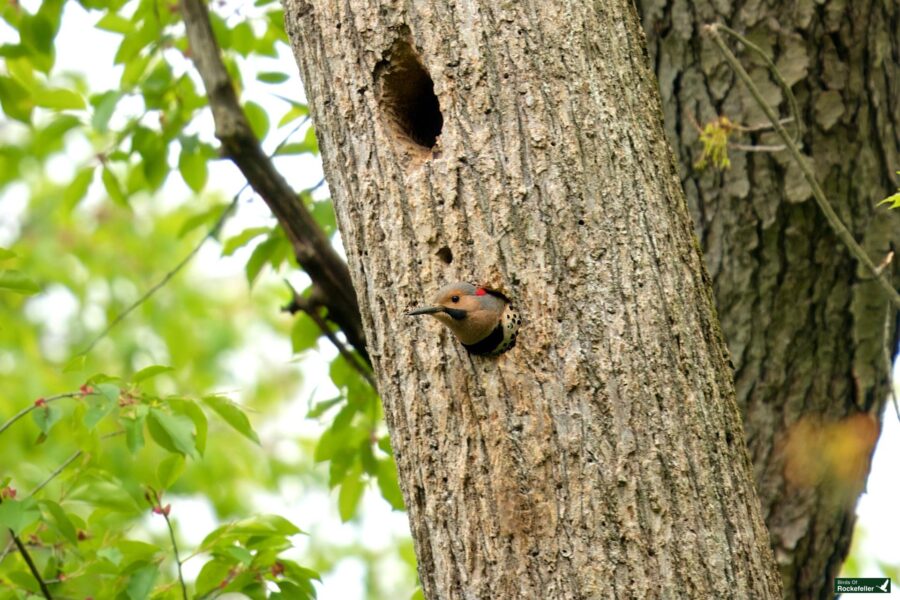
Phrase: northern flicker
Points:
(483, 320)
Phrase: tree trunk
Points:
(603, 456)
(804, 326)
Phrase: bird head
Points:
(471, 312)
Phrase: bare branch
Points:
(821, 200)
(310, 306)
(311, 246)
(31, 566)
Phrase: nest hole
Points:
(445, 254)
(407, 95)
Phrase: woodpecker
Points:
(483, 320)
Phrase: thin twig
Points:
(31, 566)
(312, 248)
(310, 307)
(213, 231)
(821, 200)
(38, 404)
(53, 475)
(749, 148)
(792, 101)
(156, 504)
(761, 126)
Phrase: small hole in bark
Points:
(445, 254)
(581, 221)
(407, 95)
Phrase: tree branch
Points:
(31, 566)
(821, 200)
(312, 247)
(310, 306)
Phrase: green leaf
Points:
(295, 112)
(115, 23)
(320, 407)
(304, 334)
(6, 254)
(192, 410)
(175, 433)
(259, 120)
(59, 99)
(169, 470)
(134, 432)
(104, 107)
(260, 256)
(140, 584)
(193, 168)
(388, 485)
(242, 239)
(113, 555)
(893, 200)
(211, 575)
(150, 372)
(272, 77)
(16, 101)
(76, 190)
(232, 415)
(113, 188)
(351, 492)
(61, 519)
(242, 38)
(18, 515)
(75, 364)
(210, 215)
(108, 390)
(46, 417)
(18, 282)
(98, 407)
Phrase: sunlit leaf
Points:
(259, 120)
(241, 239)
(272, 77)
(75, 191)
(115, 23)
(113, 188)
(59, 99)
(352, 489)
(140, 584)
(304, 334)
(169, 470)
(150, 372)
(175, 433)
(18, 282)
(61, 520)
(18, 515)
(46, 417)
(232, 415)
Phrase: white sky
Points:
(316, 512)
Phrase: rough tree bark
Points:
(803, 325)
(603, 457)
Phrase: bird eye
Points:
(454, 298)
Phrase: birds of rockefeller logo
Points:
(862, 585)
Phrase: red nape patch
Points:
(480, 292)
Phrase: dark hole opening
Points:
(407, 95)
(445, 254)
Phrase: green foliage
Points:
(893, 200)
(98, 468)
(715, 136)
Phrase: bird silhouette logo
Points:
(884, 586)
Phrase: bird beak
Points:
(427, 310)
